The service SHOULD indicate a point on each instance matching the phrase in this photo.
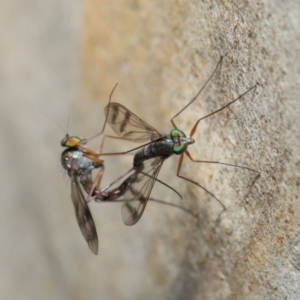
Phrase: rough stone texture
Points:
(160, 52)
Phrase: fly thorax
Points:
(74, 160)
(84, 163)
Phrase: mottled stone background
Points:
(61, 58)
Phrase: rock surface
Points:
(63, 58)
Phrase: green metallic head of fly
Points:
(71, 141)
(180, 140)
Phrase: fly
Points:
(150, 157)
(80, 161)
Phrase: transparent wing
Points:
(83, 215)
(128, 126)
(139, 190)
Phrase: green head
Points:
(71, 141)
(180, 141)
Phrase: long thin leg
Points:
(96, 184)
(175, 205)
(99, 175)
(207, 81)
(220, 109)
(93, 154)
(98, 178)
(102, 144)
(118, 179)
(163, 183)
(125, 152)
(94, 136)
(158, 201)
(196, 183)
(218, 162)
(119, 153)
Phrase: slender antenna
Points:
(110, 97)
(68, 123)
(207, 81)
(55, 121)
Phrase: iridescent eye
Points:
(73, 141)
(177, 133)
(179, 146)
(179, 149)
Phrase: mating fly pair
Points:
(146, 164)
(80, 161)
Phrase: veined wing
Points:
(129, 126)
(83, 215)
(137, 195)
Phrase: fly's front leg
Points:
(194, 182)
(110, 137)
(91, 154)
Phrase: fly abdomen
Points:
(114, 194)
(145, 153)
